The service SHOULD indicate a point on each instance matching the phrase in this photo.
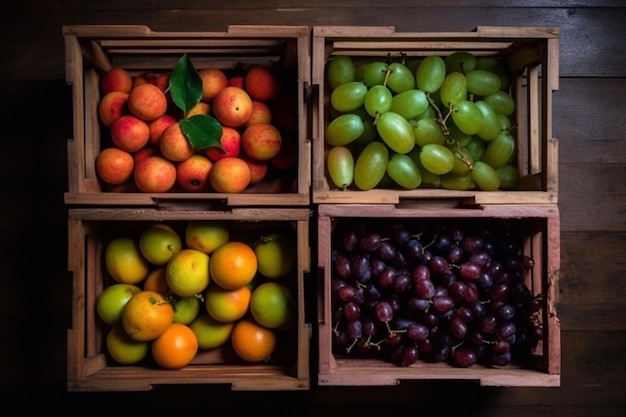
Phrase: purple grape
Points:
(443, 303)
(350, 240)
(376, 266)
(465, 314)
(413, 249)
(416, 304)
(425, 346)
(457, 327)
(409, 355)
(500, 346)
(400, 236)
(454, 254)
(354, 329)
(346, 293)
(471, 244)
(442, 243)
(402, 284)
(424, 289)
(417, 332)
(369, 326)
(370, 242)
(384, 311)
(457, 291)
(351, 311)
(399, 260)
(360, 266)
(464, 357)
(500, 360)
(386, 251)
(472, 294)
(438, 265)
(487, 324)
(387, 277)
(480, 258)
(343, 266)
(470, 270)
(420, 272)
(506, 330)
(505, 312)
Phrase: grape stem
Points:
(439, 119)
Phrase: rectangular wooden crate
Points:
(539, 228)
(92, 50)
(531, 55)
(90, 368)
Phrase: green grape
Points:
(359, 70)
(467, 117)
(344, 129)
(505, 123)
(369, 128)
(509, 176)
(375, 73)
(463, 161)
(410, 103)
(348, 96)
(496, 66)
(396, 132)
(456, 182)
(437, 159)
(428, 131)
(370, 166)
(453, 89)
(485, 176)
(403, 170)
(430, 74)
(491, 128)
(340, 70)
(377, 100)
(501, 102)
(476, 148)
(499, 151)
(400, 78)
(340, 164)
(412, 64)
(482, 82)
(455, 135)
(460, 61)
(428, 178)
(429, 113)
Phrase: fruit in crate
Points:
(194, 277)
(187, 113)
(442, 291)
(430, 112)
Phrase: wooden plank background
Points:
(589, 121)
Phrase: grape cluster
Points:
(420, 122)
(436, 292)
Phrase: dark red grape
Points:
(350, 240)
(480, 258)
(360, 266)
(413, 249)
(399, 260)
(402, 284)
(487, 324)
(505, 312)
(465, 314)
(387, 277)
(471, 244)
(417, 332)
(371, 293)
(346, 293)
(472, 294)
(343, 266)
(499, 291)
(420, 272)
(386, 251)
(424, 289)
(440, 353)
(470, 270)
(376, 266)
(454, 254)
(500, 346)
(425, 346)
(500, 360)
(457, 291)
(351, 311)
(443, 303)
(370, 242)
(457, 327)
(438, 265)
(384, 312)
(369, 326)
(463, 357)
(410, 355)
(506, 330)
(416, 304)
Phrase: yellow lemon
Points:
(187, 273)
(272, 305)
(186, 309)
(206, 235)
(276, 254)
(124, 261)
(226, 305)
(210, 332)
(159, 242)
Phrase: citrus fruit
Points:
(233, 265)
(124, 261)
(147, 315)
(276, 255)
(124, 349)
(156, 281)
(187, 273)
(175, 347)
(226, 305)
(251, 341)
(271, 305)
(210, 332)
(112, 300)
(206, 235)
(186, 309)
(159, 242)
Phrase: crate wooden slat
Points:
(92, 50)
(531, 55)
(540, 226)
(90, 369)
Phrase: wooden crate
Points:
(532, 57)
(540, 227)
(89, 366)
(92, 50)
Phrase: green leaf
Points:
(185, 85)
(202, 131)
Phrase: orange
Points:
(251, 341)
(227, 305)
(233, 265)
(176, 347)
(147, 315)
(156, 281)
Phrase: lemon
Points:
(187, 273)
(271, 305)
(186, 309)
(159, 242)
(276, 255)
(124, 261)
(206, 235)
(210, 332)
